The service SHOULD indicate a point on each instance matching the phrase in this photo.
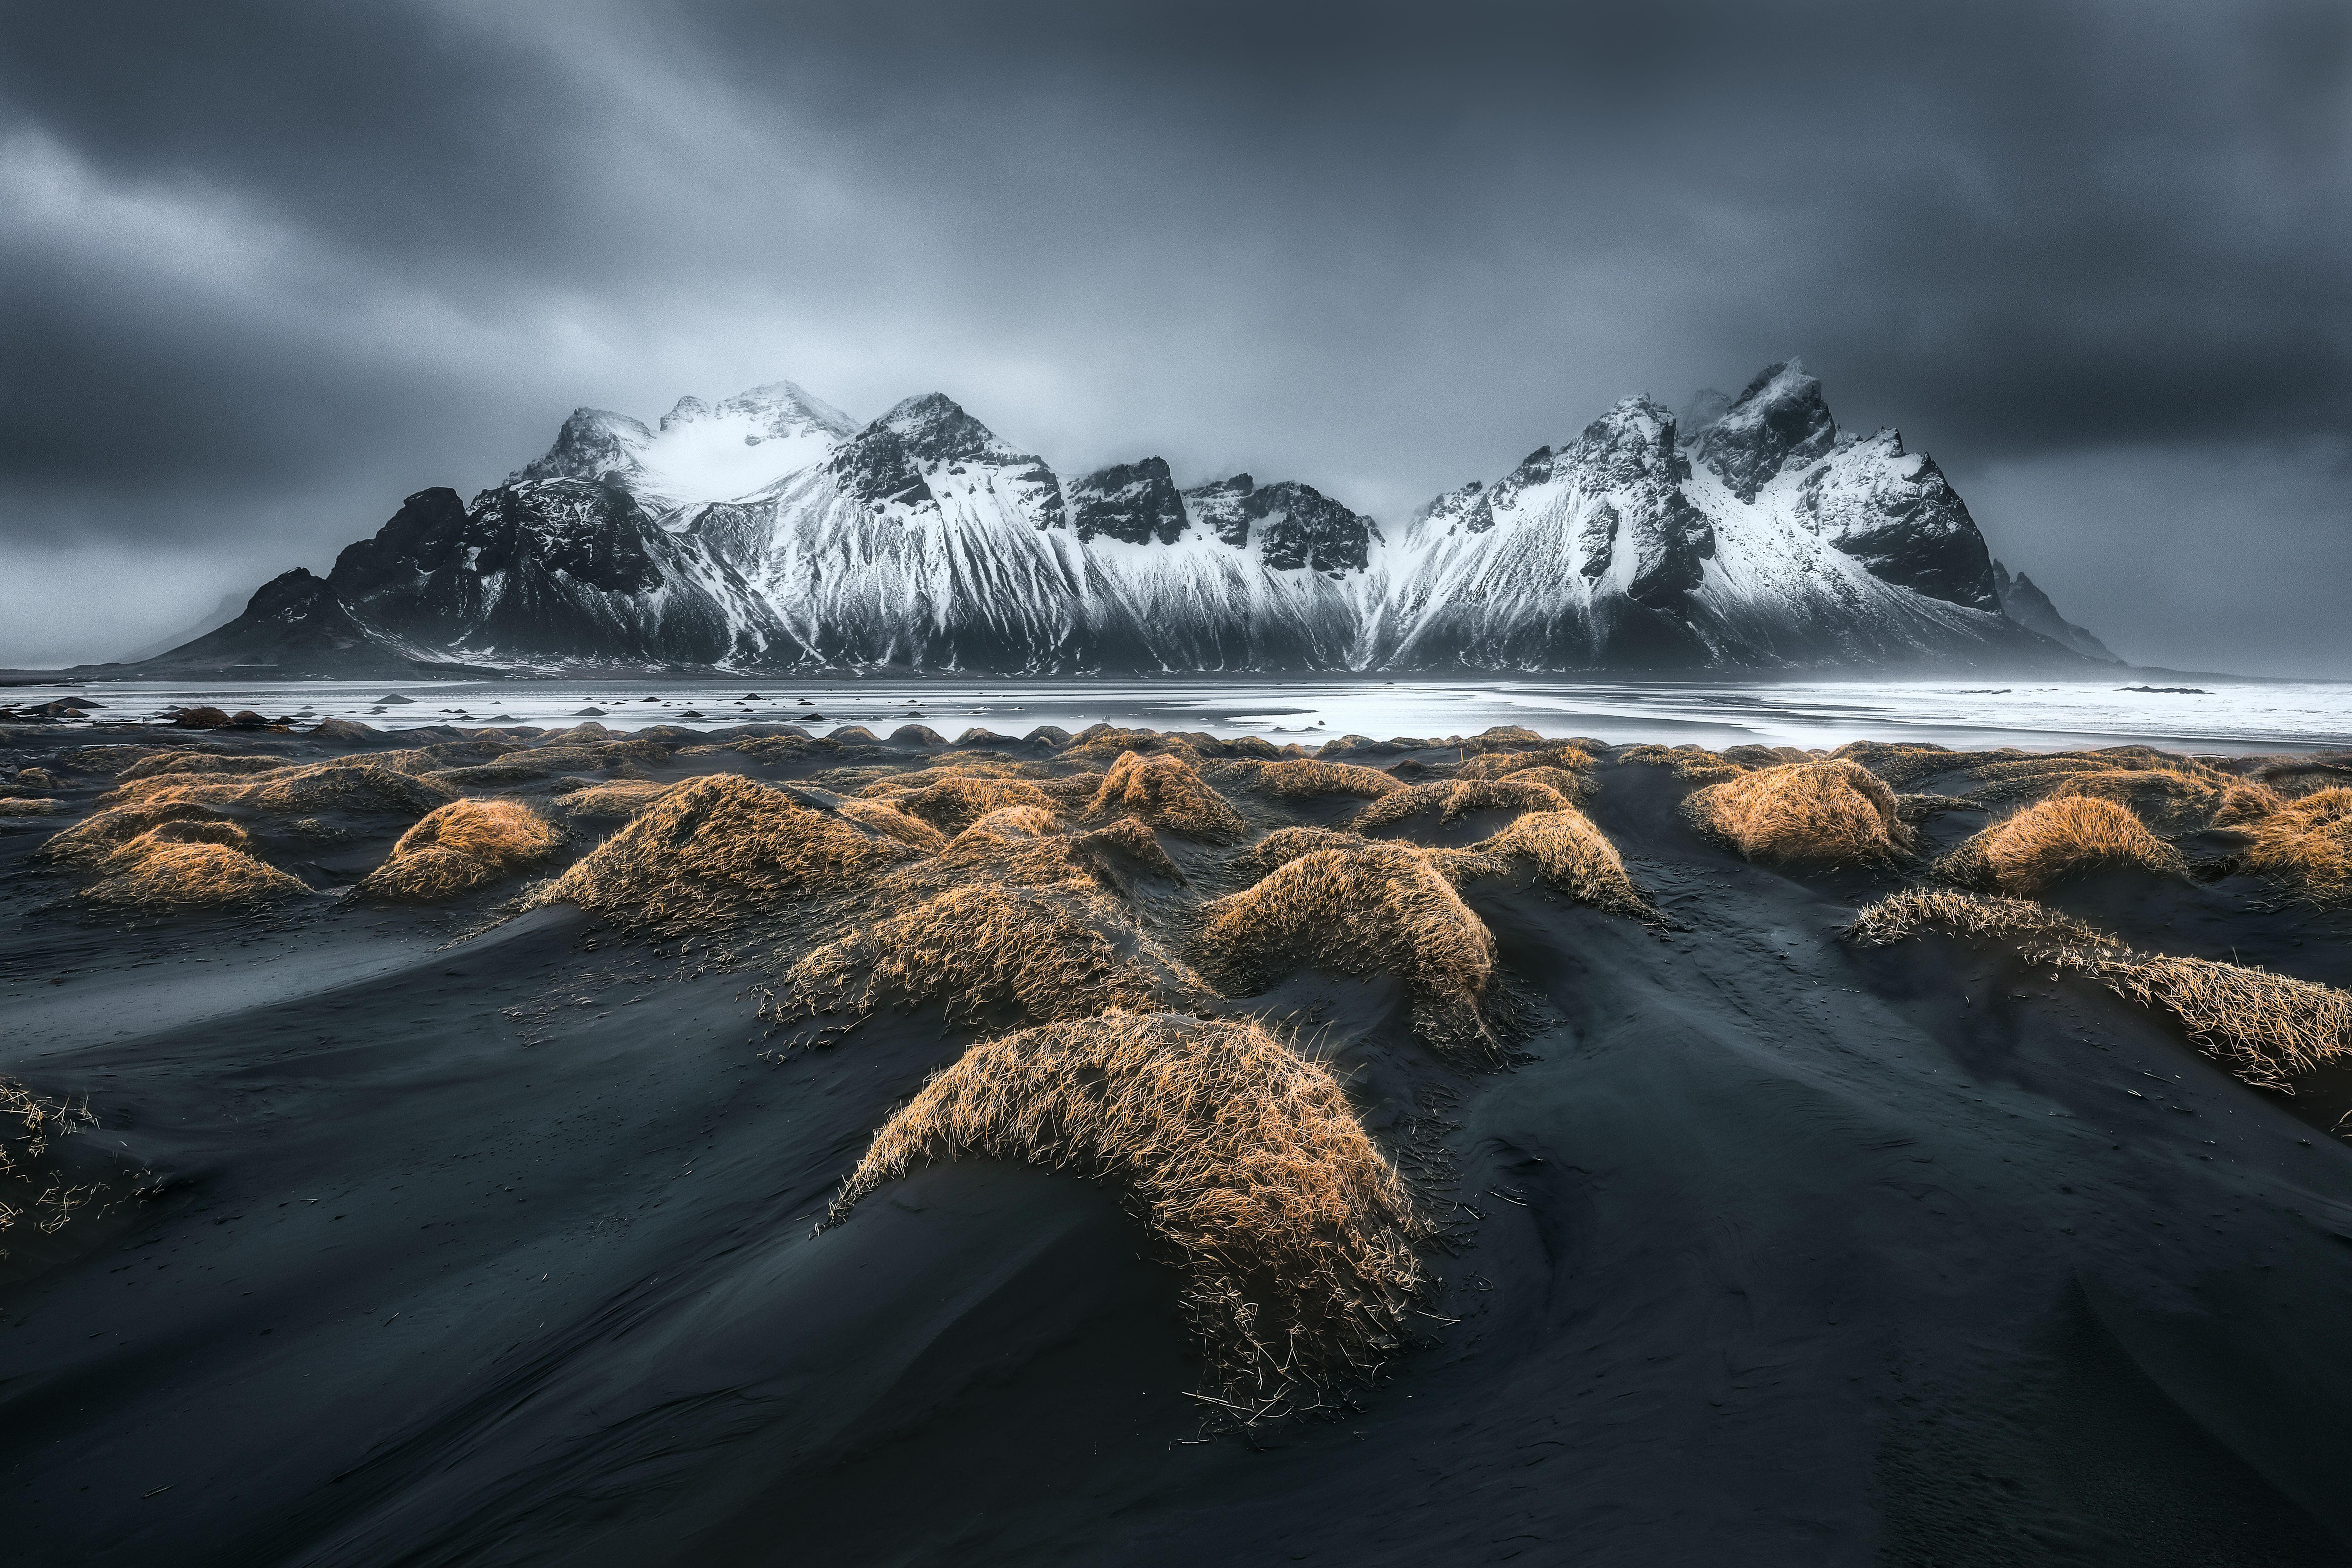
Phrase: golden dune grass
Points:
(2058, 837)
(171, 877)
(2243, 804)
(198, 763)
(1166, 791)
(2266, 1028)
(95, 838)
(954, 803)
(988, 950)
(2301, 775)
(1302, 778)
(29, 806)
(615, 801)
(1452, 798)
(721, 851)
(885, 817)
(1379, 908)
(460, 848)
(1568, 854)
(1495, 764)
(1297, 1238)
(1284, 845)
(2163, 798)
(303, 791)
(2306, 843)
(1831, 813)
(1693, 764)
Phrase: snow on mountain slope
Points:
(768, 530)
(702, 452)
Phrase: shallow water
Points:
(2217, 717)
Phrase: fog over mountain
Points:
(267, 268)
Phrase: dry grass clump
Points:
(1569, 854)
(1827, 813)
(354, 785)
(171, 875)
(1903, 763)
(1495, 764)
(1451, 798)
(1693, 764)
(2307, 843)
(2293, 776)
(1380, 907)
(2161, 798)
(1302, 778)
(616, 801)
(198, 763)
(1166, 791)
(461, 847)
(2264, 1027)
(1297, 1238)
(956, 802)
(885, 817)
(992, 952)
(721, 851)
(28, 805)
(1757, 756)
(96, 839)
(1284, 845)
(2055, 838)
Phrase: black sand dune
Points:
(469, 1241)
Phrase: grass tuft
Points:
(460, 848)
(1831, 813)
(1165, 791)
(2266, 1028)
(1452, 798)
(2306, 843)
(2055, 838)
(1296, 1236)
(1376, 908)
(721, 852)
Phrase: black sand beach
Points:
(453, 1234)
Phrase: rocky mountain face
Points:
(2030, 608)
(769, 531)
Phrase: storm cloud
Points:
(264, 269)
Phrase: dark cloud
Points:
(268, 261)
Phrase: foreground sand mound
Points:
(718, 852)
(2063, 836)
(2266, 1028)
(1381, 908)
(1452, 798)
(462, 846)
(1829, 813)
(1297, 1238)
(166, 877)
(1166, 791)
(2307, 843)
(1567, 853)
(1302, 778)
(1033, 953)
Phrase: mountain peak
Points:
(1777, 419)
(936, 429)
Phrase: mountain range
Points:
(771, 531)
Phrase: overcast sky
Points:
(266, 267)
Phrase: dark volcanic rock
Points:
(1777, 421)
(1136, 502)
(1295, 525)
(2030, 608)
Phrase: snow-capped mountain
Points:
(771, 531)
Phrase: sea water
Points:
(2204, 715)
